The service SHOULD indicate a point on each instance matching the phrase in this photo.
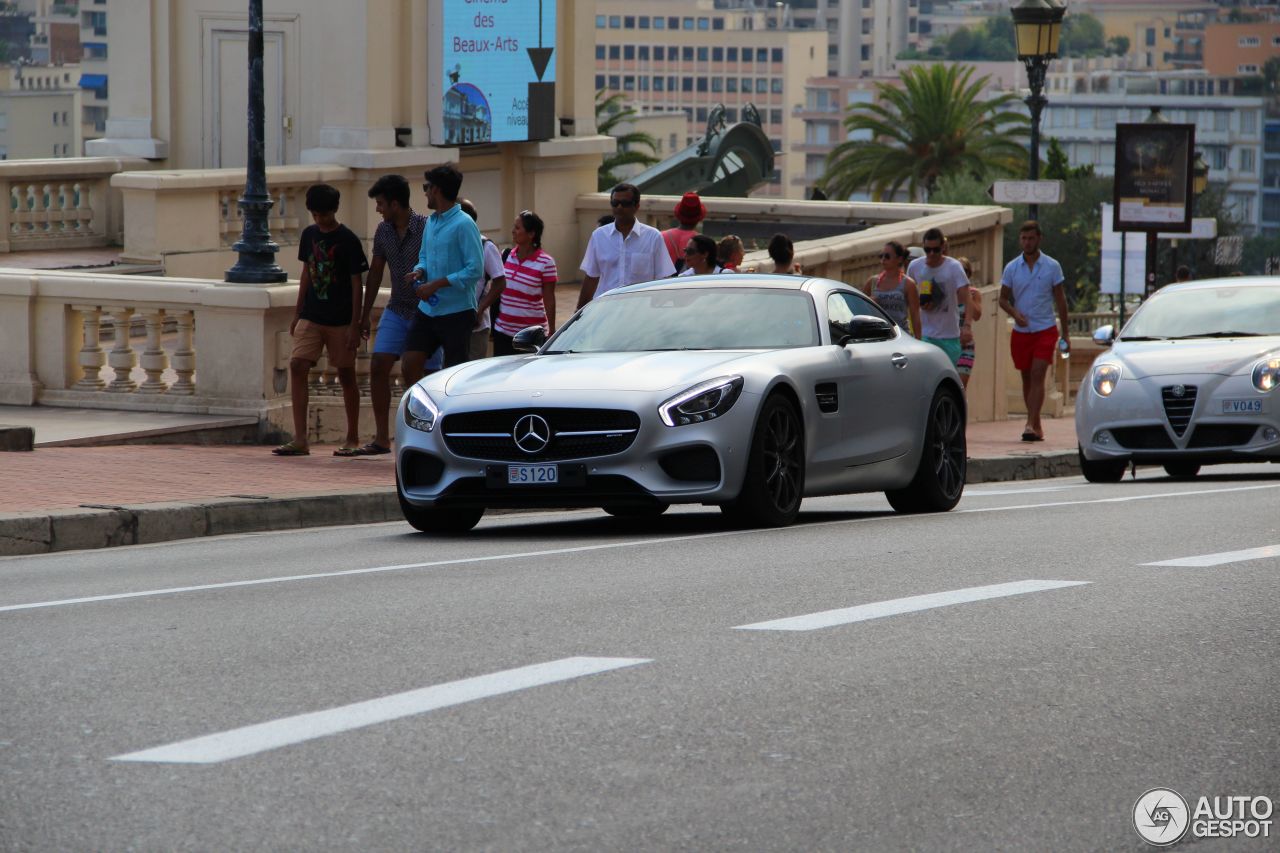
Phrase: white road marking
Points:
(989, 493)
(601, 547)
(1223, 558)
(897, 606)
(237, 743)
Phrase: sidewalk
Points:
(66, 498)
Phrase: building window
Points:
(1246, 161)
(55, 118)
(1220, 120)
(659, 22)
(775, 54)
(702, 84)
(659, 53)
(1218, 156)
(762, 54)
(673, 23)
(731, 54)
(717, 54)
(657, 84)
(643, 21)
(704, 23)
(601, 22)
(599, 82)
(775, 117)
(686, 53)
(731, 84)
(615, 82)
(615, 22)
(703, 54)
(644, 83)
(686, 23)
(686, 84)
(701, 115)
(644, 53)
(615, 51)
(629, 51)
(717, 84)
(1151, 37)
(629, 22)
(1248, 122)
(762, 85)
(599, 51)
(629, 83)
(1247, 69)
(1248, 41)
(717, 23)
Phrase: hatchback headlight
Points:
(703, 402)
(421, 412)
(1105, 379)
(1266, 374)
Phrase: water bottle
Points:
(1064, 349)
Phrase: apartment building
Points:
(1270, 216)
(1084, 108)
(668, 55)
(1162, 33)
(1240, 49)
(39, 112)
(93, 64)
(56, 40)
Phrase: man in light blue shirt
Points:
(1030, 290)
(449, 266)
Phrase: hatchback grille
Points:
(1178, 409)
(575, 433)
(1222, 435)
(1143, 438)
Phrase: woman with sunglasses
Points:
(893, 290)
(529, 298)
(700, 256)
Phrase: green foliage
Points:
(611, 112)
(1257, 250)
(993, 40)
(1118, 45)
(937, 124)
(1082, 35)
(1057, 167)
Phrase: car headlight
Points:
(1105, 379)
(1266, 374)
(421, 411)
(702, 402)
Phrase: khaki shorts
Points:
(310, 339)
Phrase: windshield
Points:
(1218, 312)
(692, 318)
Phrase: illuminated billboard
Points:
(498, 80)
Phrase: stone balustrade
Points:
(60, 204)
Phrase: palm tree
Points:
(610, 112)
(935, 125)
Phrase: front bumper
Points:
(1137, 424)
(695, 463)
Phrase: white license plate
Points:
(1241, 407)
(533, 475)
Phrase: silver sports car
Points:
(1190, 381)
(748, 392)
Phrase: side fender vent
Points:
(828, 397)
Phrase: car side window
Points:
(843, 306)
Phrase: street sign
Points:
(1202, 228)
(1027, 192)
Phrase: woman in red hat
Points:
(689, 212)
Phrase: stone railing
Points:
(60, 204)
(204, 347)
(1085, 324)
(188, 221)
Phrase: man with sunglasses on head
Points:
(624, 251)
(942, 287)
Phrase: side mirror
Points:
(865, 327)
(529, 339)
(1104, 336)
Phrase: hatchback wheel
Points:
(1182, 470)
(1103, 470)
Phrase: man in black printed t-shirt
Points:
(328, 316)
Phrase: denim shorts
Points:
(393, 330)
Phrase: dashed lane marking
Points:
(249, 740)
(897, 606)
(1222, 559)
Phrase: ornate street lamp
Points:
(1037, 24)
(257, 264)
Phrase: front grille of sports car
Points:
(1178, 409)
(1143, 438)
(575, 433)
(1222, 435)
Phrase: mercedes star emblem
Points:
(532, 434)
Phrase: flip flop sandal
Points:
(1028, 435)
(372, 449)
(291, 449)
(347, 451)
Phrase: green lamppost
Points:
(1037, 25)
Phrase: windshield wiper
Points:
(1230, 334)
(1142, 338)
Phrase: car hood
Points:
(609, 371)
(1225, 357)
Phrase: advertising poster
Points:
(1134, 258)
(1153, 177)
(499, 77)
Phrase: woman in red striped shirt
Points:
(529, 298)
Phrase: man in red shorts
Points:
(1030, 290)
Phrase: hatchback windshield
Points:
(1218, 312)
(692, 318)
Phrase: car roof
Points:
(1229, 281)
(738, 280)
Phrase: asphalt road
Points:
(569, 681)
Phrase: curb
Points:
(105, 526)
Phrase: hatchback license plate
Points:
(1241, 407)
(533, 475)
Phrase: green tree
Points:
(1082, 35)
(610, 113)
(938, 123)
(1118, 45)
(1058, 168)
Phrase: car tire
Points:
(650, 511)
(774, 484)
(1182, 470)
(435, 520)
(939, 479)
(1103, 470)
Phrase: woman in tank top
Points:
(894, 291)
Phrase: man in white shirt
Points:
(943, 287)
(625, 251)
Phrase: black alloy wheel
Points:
(774, 484)
(939, 479)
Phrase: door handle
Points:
(899, 360)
